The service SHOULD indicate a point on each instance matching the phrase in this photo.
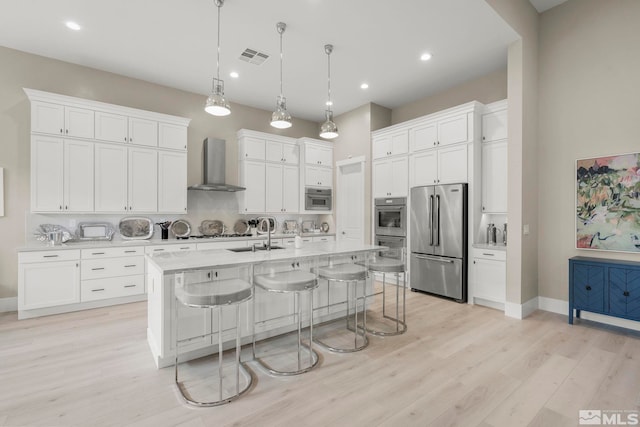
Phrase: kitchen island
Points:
(274, 313)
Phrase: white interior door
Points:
(350, 220)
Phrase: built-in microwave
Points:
(317, 199)
(391, 216)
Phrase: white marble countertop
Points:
(90, 244)
(497, 247)
(171, 262)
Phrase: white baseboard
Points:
(520, 311)
(8, 304)
(553, 305)
(562, 307)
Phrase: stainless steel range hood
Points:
(213, 168)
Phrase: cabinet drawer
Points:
(324, 239)
(112, 252)
(113, 287)
(170, 248)
(112, 267)
(222, 245)
(44, 256)
(490, 254)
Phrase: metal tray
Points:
(180, 228)
(94, 231)
(212, 227)
(135, 228)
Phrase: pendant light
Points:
(328, 130)
(216, 103)
(281, 118)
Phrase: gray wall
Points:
(589, 106)
(21, 69)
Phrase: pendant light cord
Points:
(218, 58)
(329, 79)
(281, 92)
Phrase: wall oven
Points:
(393, 243)
(391, 216)
(317, 199)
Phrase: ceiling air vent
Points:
(253, 56)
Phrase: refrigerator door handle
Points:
(438, 223)
(431, 220)
(433, 258)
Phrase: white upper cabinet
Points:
(423, 168)
(445, 131)
(145, 132)
(316, 176)
(318, 155)
(494, 126)
(111, 178)
(281, 152)
(390, 144)
(61, 120)
(390, 177)
(143, 180)
(281, 188)
(172, 182)
(423, 137)
(453, 130)
(446, 165)
(252, 177)
(47, 174)
(111, 127)
(172, 136)
(251, 148)
(494, 177)
(78, 176)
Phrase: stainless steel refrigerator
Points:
(438, 239)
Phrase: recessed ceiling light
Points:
(425, 57)
(73, 25)
(234, 75)
(329, 103)
(364, 86)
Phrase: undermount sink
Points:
(250, 249)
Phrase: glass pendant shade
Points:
(217, 104)
(281, 118)
(329, 129)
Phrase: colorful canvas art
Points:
(608, 203)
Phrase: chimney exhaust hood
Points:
(214, 167)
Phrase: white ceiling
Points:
(173, 43)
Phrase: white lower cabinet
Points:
(48, 279)
(112, 273)
(324, 239)
(489, 277)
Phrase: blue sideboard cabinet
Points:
(604, 286)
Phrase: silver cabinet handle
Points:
(97, 290)
(130, 252)
(97, 268)
(50, 256)
(129, 286)
(97, 253)
(430, 258)
(488, 254)
(130, 265)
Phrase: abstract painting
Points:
(608, 203)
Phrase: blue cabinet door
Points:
(588, 287)
(624, 292)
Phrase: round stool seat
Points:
(211, 294)
(385, 265)
(342, 272)
(286, 281)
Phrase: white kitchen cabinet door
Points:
(381, 178)
(399, 177)
(251, 148)
(453, 130)
(452, 164)
(172, 182)
(110, 178)
(381, 147)
(273, 151)
(423, 137)
(291, 154)
(79, 122)
(490, 279)
(47, 174)
(143, 180)
(47, 118)
(423, 168)
(290, 189)
(111, 127)
(494, 177)
(273, 185)
(391, 144)
(143, 132)
(252, 177)
(48, 284)
(172, 136)
(78, 176)
(400, 142)
(494, 126)
(318, 177)
(318, 155)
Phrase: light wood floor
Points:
(456, 365)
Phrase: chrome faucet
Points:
(268, 244)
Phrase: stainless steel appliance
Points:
(438, 260)
(317, 199)
(392, 242)
(214, 167)
(391, 216)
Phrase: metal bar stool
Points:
(213, 295)
(349, 274)
(385, 262)
(296, 282)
